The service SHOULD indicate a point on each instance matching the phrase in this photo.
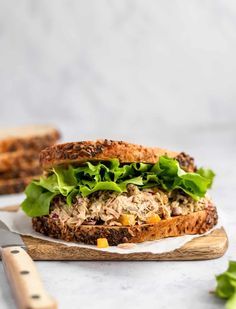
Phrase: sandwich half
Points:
(119, 191)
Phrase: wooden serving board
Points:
(210, 246)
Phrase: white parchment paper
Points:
(11, 199)
(18, 222)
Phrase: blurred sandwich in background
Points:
(19, 155)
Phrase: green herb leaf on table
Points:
(226, 285)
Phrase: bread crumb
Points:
(126, 245)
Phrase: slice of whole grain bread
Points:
(36, 137)
(15, 185)
(21, 173)
(18, 160)
(80, 152)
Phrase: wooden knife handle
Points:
(25, 280)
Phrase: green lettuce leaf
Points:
(49, 183)
(71, 195)
(171, 177)
(207, 173)
(231, 303)
(66, 179)
(111, 175)
(226, 285)
(37, 200)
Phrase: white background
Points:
(153, 72)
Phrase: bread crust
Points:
(21, 173)
(79, 152)
(25, 138)
(18, 160)
(194, 223)
(16, 185)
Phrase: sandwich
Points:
(120, 192)
(19, 155)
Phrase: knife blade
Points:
(22, 274)
(9, 238)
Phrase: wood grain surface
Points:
(210, 246)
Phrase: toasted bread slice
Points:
(18, 160)
(79, 152)
(21, 173)
(194, 223)
(35, 137)
(15, 185)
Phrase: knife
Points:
(22, 274)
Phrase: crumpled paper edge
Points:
(19, 223)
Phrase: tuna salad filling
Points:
(135, 206)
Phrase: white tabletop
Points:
(140, 284)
